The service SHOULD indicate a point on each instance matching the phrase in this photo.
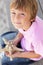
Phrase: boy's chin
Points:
(17, 27)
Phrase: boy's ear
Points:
(32, 20)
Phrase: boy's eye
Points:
(13, 13)
(22, 14)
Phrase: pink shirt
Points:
(33, 38)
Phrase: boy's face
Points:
(19, 18)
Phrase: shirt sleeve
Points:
(38, 47)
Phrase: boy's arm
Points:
(17, 38)
(30, 54)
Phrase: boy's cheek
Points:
(12, 17)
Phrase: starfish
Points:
(10, 48)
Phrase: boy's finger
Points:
(6, 53)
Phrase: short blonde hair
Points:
(25, 5)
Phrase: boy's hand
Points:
(13, 55)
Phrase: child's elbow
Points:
(38, 55)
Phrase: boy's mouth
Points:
(18, 23)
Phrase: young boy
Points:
(23, 17)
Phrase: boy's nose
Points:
(16, 19)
